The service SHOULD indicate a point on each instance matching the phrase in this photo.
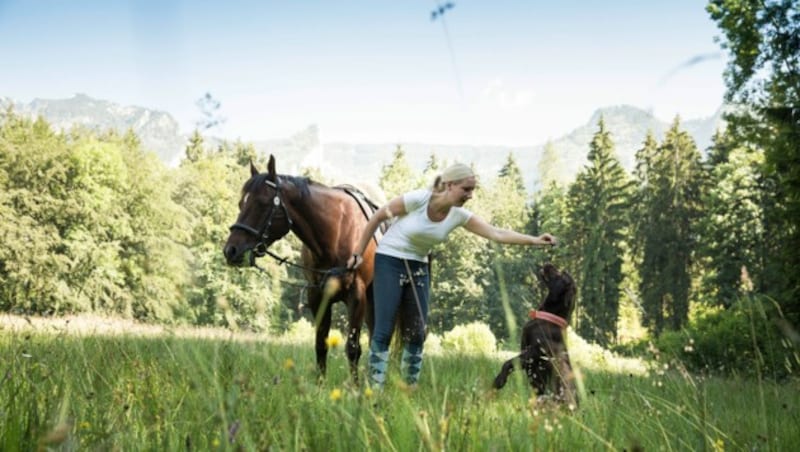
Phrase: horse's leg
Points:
(322, 319)
(356, 306)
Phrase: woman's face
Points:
(461, 191)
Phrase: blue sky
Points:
(494, 72)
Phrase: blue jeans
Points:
(394, 297)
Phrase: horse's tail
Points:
(332, 283)
(331, 286)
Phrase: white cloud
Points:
(499, 94)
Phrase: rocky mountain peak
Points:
(158, 131)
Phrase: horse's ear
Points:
(253, 170)
(271, 167)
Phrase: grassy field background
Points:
(103, 384)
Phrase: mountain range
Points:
(160, 133)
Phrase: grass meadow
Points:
(115, 388)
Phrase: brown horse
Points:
(329, 222)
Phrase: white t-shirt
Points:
(413, 235)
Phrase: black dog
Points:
(544, 351)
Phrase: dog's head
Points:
(561, 290)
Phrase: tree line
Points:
(91, 222)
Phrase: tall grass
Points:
(166, 392)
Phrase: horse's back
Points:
(342, 212)
(372, 193)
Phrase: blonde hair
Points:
(453, 173)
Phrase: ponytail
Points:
(438, 185)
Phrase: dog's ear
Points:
(549, 272)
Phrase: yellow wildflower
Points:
(288, 364)
(333, 341)
(336, 394)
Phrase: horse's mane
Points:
(373, 194)
(302, 183)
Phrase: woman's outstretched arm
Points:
(479, 226)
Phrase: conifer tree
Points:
(513, 266)
(669, 206)
(244, 153)
(433, 167)
(195, 149)
(396, 177)
(733, 221)
(646, 221)
(599, 203)
(550, 166)
(513, 174)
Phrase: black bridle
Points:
(262, 235)
(263, 238)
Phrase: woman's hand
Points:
(354, 261)
(548, 239)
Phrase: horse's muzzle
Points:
(238, 256)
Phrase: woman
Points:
(424, 218)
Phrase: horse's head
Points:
(263, 217)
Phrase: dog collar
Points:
(546, 316)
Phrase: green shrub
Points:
(744, 339)
(299, 332)
(433, 344)
(473, 337)
(593, 356)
